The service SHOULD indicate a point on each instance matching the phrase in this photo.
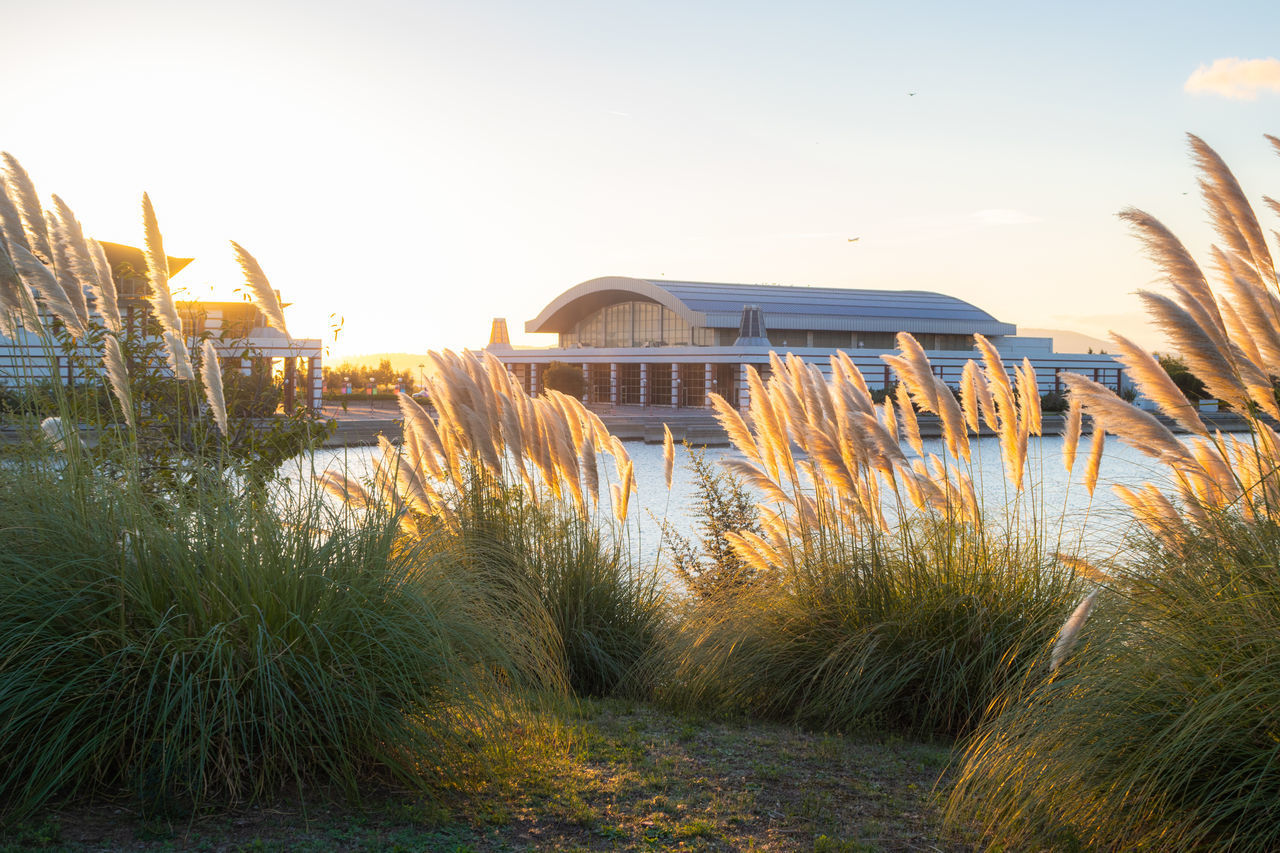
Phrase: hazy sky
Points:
(421, 167)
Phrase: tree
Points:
(565, 378)
(1191, 386)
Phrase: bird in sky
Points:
(854, 239)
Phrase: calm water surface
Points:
(1062, 503)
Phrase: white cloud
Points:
(1238, 79)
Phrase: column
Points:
(644, 384)
(707, 375)
(675, 386)
(586, 382)
(533, 380)
(613, 382)
(316, 369)
(744, 390)
(290, 378)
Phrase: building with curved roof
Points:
(670, 343)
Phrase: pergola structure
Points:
(238, 330)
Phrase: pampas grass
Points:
(27, 200)
(510, 484)
(11, 231)
(103, 288)
(45, 285)
(211, 374)
(1070, 631)
(263, 294)
(1162, 732)
(159, 296)
(118, 378)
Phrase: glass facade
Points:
(648, 324)
(635, 324)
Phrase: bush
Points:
(598, 616)
(1165, 723)
(565, 378)
(917, 639)
(712, 569)
(221, 651)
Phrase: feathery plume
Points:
(909, 423)
(1082, 567)
(1094, 463)
(1202, 355)
(118, 377)
(1071, 434)
(1134, 426)
(1171, 256)
(103, 287)
(735, 427)
(1240, 217)
(263, 294)
(12, 292)
(349, 491)
(73, 248)
(211, 373)
(160, 298)
(591, 471)
(1029, 391)
(46, 287)
(624, 489)
(969, 381)
(668, 456)
(1154, 381)
(28, 203)
(1070, 631)
(10, 218)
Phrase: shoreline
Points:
(361, 425)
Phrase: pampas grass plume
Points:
(47, 288)
(104, 288)
(118, 377)
(211, 373)
(160, 298)
(668, 456)
(1070, 631)
(263, 294)
(27, 200)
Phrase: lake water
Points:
(1100, 523)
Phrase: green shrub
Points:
(918, 638)
(1162, 730)
(599, 615)
(221, 650)
(565, 378)
(711, 569)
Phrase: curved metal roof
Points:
(783, 306)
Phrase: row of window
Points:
(648, 324)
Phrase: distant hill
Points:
(1064, 341)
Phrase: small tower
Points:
(751, 332)
(499, 339)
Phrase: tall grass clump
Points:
(882, 597)
(167, 629)
(220, 652)
(1162, 729)
(511, 487)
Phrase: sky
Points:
(407, 171)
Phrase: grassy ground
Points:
(631, 778)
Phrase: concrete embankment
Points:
(362, 425)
